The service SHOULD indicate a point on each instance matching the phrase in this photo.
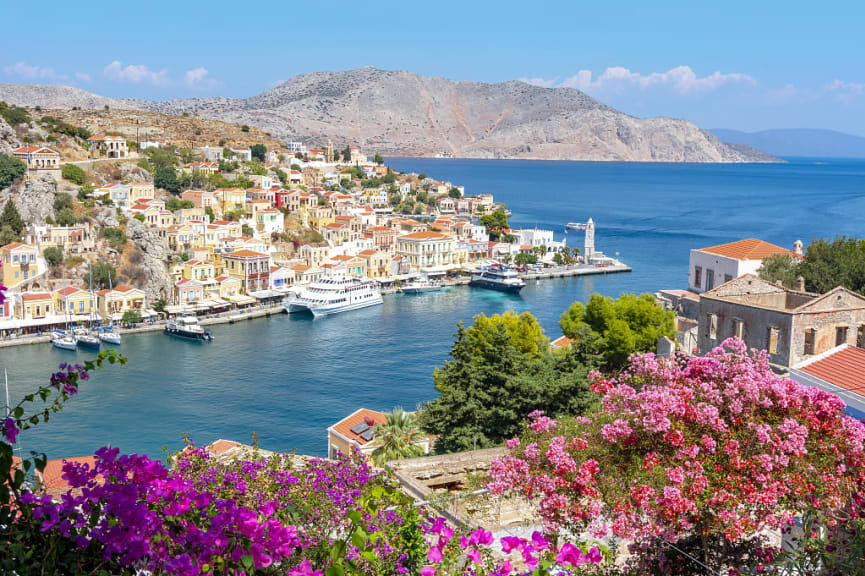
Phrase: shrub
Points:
(132, 317)
(67, 217)
(244, 128)
(11, 168)
(115, 235)
(53, 255)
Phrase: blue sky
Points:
(744, 65)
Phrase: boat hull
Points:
(421, 289)
(508, 288)
(65, 344)
(110, 338)
(329, 310)
(186, 335)
(93, 343)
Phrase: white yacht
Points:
(419, 286)
(187, 326)
(498, 278)
(333, 295)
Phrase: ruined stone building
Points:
(792, 325)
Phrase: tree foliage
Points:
(13, 115)
(495, 222)
(166, 178)
(162, 157)
(258, 151)
(630, 324)
(11, 168)
(132, 317)
(500, 370)
(102, 271)
(53, 255)
(12, 218)
(839, 262)
(66, 217)
(398, 438)
(74, 174)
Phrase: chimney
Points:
(800, 284)
(797, 247)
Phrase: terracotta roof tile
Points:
(844, 368)
(345, 425)
(748, 249)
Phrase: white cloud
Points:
(837, 91)
(135, 73)
(83, 76)
(25, 70)
(844, 92)
(197, 79)
(682, 79)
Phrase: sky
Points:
(743, 65)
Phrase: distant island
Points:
(402, 113)
(797, 142)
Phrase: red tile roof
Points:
(844, 368)
(748, 249)
(245, 254)
(35, 296)
(426, 235)
(561, 342)
(344, 426)
(51, 479)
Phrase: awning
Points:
(10, 324)
(265, 294)
(241, 300)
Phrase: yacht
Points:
(89, 339)
(64, 340)
(334, 295)
(497, 278)
(575, 226)
(189, 328)
(110, 335)
(420, 286)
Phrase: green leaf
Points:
(18, 412)
(334, 570)
(247, 562)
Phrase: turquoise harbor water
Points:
(289, 377)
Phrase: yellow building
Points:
(354, 265)
(320, 216)
(73, 300)
(182, 237)
(231, 199)
(377, 263)
(200, 270)
(20, 262)
(426, 249)
(120, 299)
(227, 286)
(34, 305)
(357, 432)
(140, 191)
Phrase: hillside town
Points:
(215, 228)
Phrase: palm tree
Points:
(399, 438)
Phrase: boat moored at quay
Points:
(334, 295)
(498, 278)
(188, 327)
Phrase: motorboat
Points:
(334, 295)
(420, 286)
(189, 328)
(498, 278)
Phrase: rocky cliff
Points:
(33, 198)
(401, 113)
(55, 97)
(8, 139)
(145, 263)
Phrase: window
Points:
(860, 336)
(712, 321)
(840, 335)
(739, 329)
(698, 272)
(772, 345)
(727, 278)
(710, 279)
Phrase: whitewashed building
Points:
(715, 265)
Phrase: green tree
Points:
(346, 154)
(13, 115)
(53, 255)
(523, 258)
(455, 193)
(11, 168)
(102, 271)
(247, 231)
(500, 370)
(210, 215)
(159, 305)
(839, 262)
(74, 174)
(166, 178)
(162, 157)
(421, 176)
(7, 235)
(283, 177)
(132, 317)
(67, 217)
(62, 200)
(115, 235)
(628, 325)
(244, 128)
(257, 168)
(398, 437)
(780, 267)
(495, 222)
(258, 151)
(378, 159)
(12, 218)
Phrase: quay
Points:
(266, 311)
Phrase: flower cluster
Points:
(717, 445)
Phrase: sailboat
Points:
(112, 334)
(89, 339)
(65, 340)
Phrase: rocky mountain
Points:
(401, 113)
(798, 142)
(54, 97)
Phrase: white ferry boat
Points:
(334, 295)
(498, 278)
(420, 286)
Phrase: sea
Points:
(287, 378)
